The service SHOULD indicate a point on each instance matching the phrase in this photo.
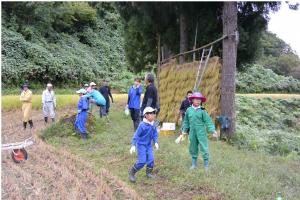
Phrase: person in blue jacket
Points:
(142, 141)
(82, 114)
(134, 102)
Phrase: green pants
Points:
(198, 138)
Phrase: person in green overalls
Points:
(197, 120)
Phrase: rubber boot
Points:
(24, 125)
(194, 163)
(149, 172)
(131, 174)
(53, 120)
(30, 123)
(206, 165)
(46, 120)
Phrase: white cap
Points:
(92, 84)
(148, 110)
(49, 85)
(81, 91)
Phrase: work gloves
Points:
(133, 148)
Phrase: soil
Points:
(50, 173)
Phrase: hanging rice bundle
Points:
(176, 80)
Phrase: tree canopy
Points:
(145, 21)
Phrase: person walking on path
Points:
(82, 113)
(142, 141)
(134, 102)
(26, 98)
(49, 103)
(106, 93)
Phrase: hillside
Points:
(66, 43)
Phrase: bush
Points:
(256, 79)
(65, 43)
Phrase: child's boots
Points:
(206, 165)
(194, 163)
(149, 172)
(131, 174)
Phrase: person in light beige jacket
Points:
(25, 98)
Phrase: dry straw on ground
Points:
(175, 80)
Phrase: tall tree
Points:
(229, 65)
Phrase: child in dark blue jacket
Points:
(142, 140)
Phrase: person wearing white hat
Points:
(49, 103)
(142, 141)
(82, 108)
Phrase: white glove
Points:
(178, 140)
(79, 111)
(132, 149)
(215, 134)
(156, 146)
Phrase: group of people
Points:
(195, 119)
(48, 104)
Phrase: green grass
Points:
(234, 174)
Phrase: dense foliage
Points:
(68, 43)
(268, 125)
(145, 22)
(257, 79)
(275, 54)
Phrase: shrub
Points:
(256, 79)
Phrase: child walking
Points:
(196, 120)
(142, 140)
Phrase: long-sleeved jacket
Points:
(97, 96)
(83, 104)
(105, 91)
(134, 97)
(150, 98)
(26, 97)
(196, 119)
(145, 134)
(48, 96)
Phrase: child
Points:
(142, 140)
(196, 120)
(134, 102)
(185, 104)
(83, 107)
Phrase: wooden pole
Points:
(194, 54)
(229, 65)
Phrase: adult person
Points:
(49, 103)
(134, 102)
(25, 98)
(106, 93)
(150, 98)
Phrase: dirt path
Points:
(50, 173)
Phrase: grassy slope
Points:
(234, 174)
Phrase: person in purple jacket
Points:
(142, 141)
(134, 102)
